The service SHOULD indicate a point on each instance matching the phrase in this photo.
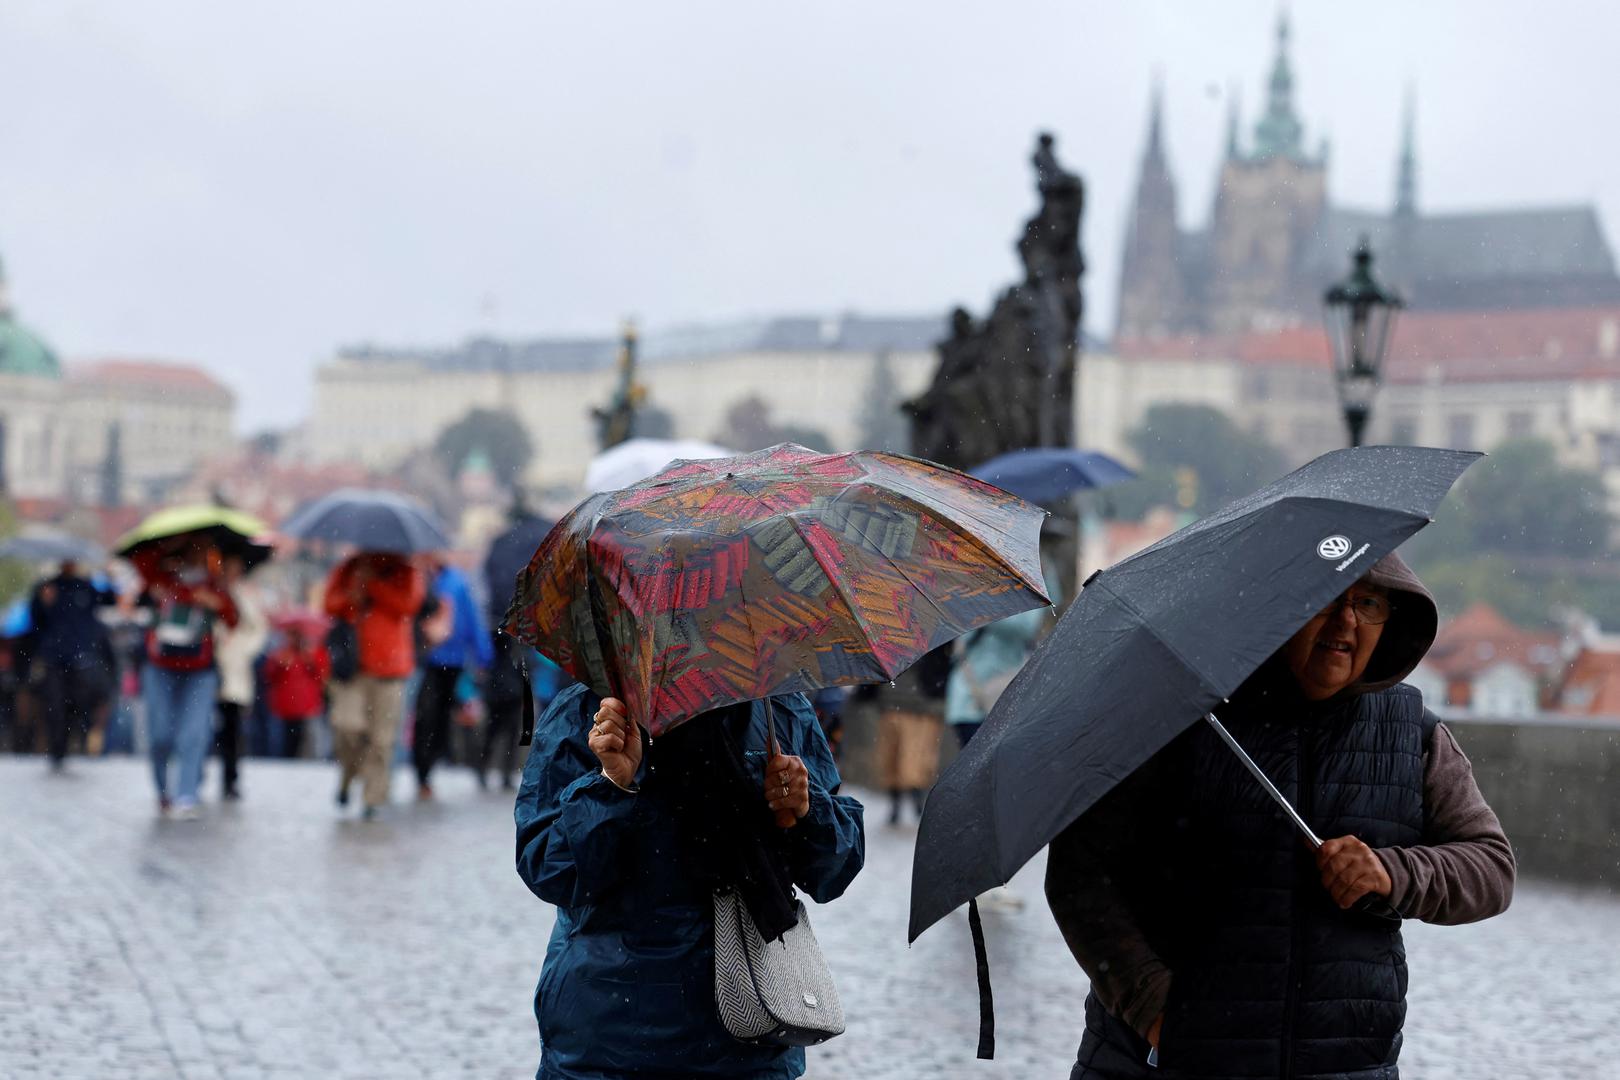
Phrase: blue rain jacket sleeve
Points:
(828, 845)
(571, 820)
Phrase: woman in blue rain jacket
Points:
(627, 988)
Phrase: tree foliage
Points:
(882, 425)
(1195, 458)
(496, 433)
(1520, 502)
(14, 575)
(750, 426)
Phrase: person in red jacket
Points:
(295, 677)
(377, 595)
(186, 589)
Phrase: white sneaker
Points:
(186, 811)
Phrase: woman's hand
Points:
(787, 789)
(616, 742)
(1350, 871)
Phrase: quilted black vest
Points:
(1270, 978)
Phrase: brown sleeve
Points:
(1464, 870)
(1127, 975)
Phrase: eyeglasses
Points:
(1370, 609)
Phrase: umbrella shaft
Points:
(1265, 781)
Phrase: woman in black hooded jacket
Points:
(1217, 942)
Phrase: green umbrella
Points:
(178, 520)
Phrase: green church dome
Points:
(23, 353)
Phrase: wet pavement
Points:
(274, 938)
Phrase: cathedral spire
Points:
(1233, 123)
(1279, 132)
(1406, 172)
(1155, 139)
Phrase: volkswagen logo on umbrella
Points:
(1334, 547)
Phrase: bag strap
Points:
(526, 736)
(987, 1003)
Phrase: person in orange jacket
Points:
(375, 597)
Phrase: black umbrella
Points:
(1150, 646)
(509, 555)
(369, 520)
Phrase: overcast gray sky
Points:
(250, 185)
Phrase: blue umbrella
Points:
(1046, 474)
(381, 521)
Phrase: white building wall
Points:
(30, 413)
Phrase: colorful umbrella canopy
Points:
(784, 570)
(179, 520)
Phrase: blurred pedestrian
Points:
(72, 673)
(909, 727)
(295, 675)
(375, 596)
(464, 645)
(829, 704)
(185, 587)
(503, 699)
(239, 649)
(986, 661)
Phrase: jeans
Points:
(180, 722)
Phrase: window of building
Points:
(1403, 432)
(1460, 431)
(1521, 424)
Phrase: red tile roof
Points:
(1461, 346)
(1591, 686)
(1481, 637)
(146, 373)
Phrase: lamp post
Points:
(1359, 313)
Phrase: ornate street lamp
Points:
(1359, 314)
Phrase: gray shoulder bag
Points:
(773, 992)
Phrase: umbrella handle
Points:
(1265, 781)
(770, 729)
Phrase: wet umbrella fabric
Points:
(381, 521)
(1150, 646)
(1046, 475)
(785, 570)
(223, 523)
(52, 547)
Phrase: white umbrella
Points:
(633, 460)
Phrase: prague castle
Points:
(1275, 239)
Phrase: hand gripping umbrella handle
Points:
(1370, 904)
(1265, 781)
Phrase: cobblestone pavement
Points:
(273, 938)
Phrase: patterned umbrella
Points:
(731, 579)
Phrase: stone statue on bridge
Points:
(1008, 382)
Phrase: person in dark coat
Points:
(630, 839)
(1215, 939)
(72, 653)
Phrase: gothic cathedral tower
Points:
(1151, 301)
(1268, 210)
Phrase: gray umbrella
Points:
(382, 521)
(52, 547)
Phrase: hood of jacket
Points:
(1410, 630)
